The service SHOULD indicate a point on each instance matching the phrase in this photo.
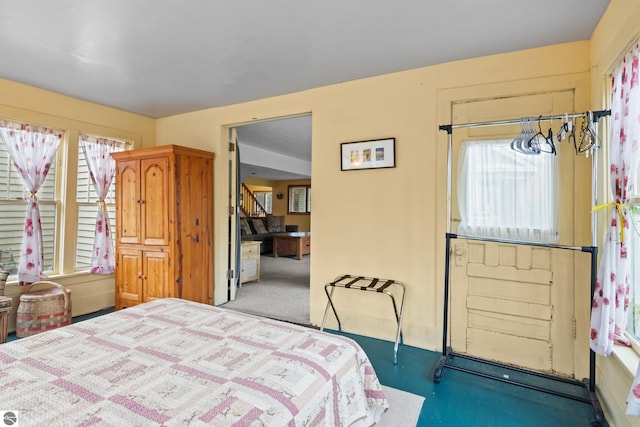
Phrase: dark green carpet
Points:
(462, 399)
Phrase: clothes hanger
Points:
(530, 144)
(588, 138)
(540, 142)
(549, 146)
(572, 132)
(517, 141)
(565, 128)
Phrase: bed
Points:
(176, 362)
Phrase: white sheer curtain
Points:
(504, 194)
(97, 153)
(32, 150)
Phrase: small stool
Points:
(43, 309)
(5, 311)
(369, 284)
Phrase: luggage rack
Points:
(367, 284)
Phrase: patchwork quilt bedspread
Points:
(174, 362)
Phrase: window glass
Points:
(633, 325)
(300, 199)
(264, 198)
(506, 194)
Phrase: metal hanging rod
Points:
(595, 114)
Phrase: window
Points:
(264, 198)
(87, 199)
(505, 194)
(299, 199)
(13, 207)
(633, 323)
(623, 157)
(68, 218)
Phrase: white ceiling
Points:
(276, 149)
(164, 57)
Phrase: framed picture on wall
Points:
(373, 154)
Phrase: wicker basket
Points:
(5, 311)
(3, 280)
(43, 309)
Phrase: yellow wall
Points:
(279, 206)
(23, 103)
(385, 222)
(388, 222)
(391, 222)
(618, 28)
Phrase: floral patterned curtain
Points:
(611, 296)
(630, 134)
(32, 149)
(97, 153)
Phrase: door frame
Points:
(233, 253)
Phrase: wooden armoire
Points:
(164, 225)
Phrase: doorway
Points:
(272, 157)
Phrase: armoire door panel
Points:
(194, 231)
(155, 275)
(155, 201)
(128, 202)
(128, 278)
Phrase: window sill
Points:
(628, 357)
(55, 277)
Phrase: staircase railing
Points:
(249, 205)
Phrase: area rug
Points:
(404, 408)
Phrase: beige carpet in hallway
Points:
(281, 293)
